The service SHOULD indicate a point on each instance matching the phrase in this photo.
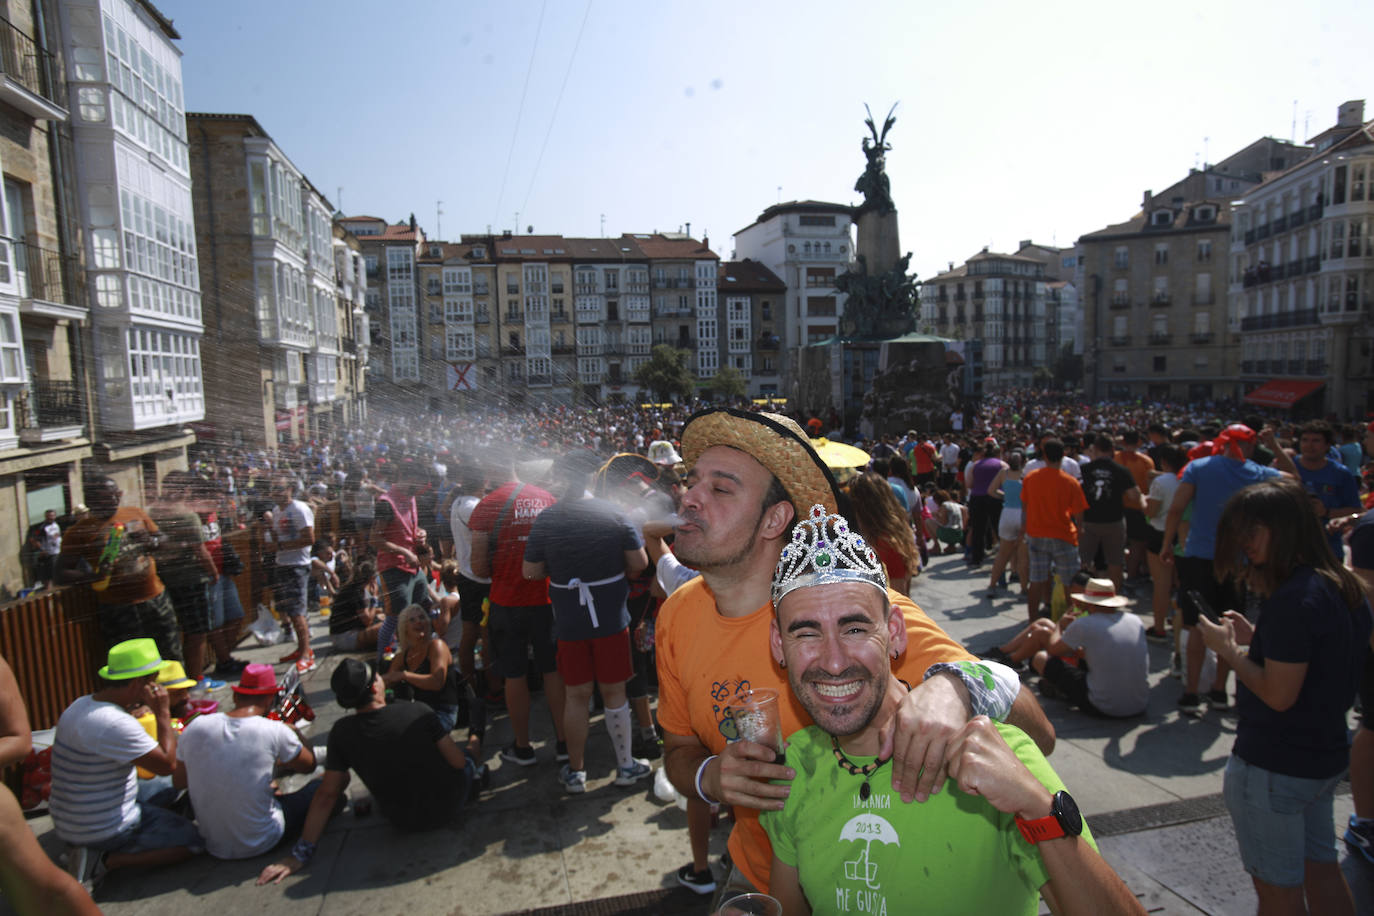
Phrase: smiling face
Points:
(722, 510)
(836, 642)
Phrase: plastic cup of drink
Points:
(758, 717)
(751, 905)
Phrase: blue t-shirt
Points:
(1336, 487)
(1351, 456)
(1305, 621)
(1214, 479)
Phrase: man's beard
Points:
(840, 721)
(705, 562)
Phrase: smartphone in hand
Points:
(1203, 606)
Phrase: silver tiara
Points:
(824, 550)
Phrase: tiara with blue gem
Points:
(825, 550)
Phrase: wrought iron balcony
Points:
(51, 276)
(1120, 340)
(31, 68)
(1201, 337)
(54, 403)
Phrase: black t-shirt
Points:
(1362, 543)
(343, 613)
(394, 751)
(1305, 621)
(1104, 483)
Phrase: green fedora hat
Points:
(132, 658)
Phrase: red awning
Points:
(1282, 392)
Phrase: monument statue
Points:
(873, 183)
(880, 296)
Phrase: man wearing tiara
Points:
(1002, 834)
(751, 476)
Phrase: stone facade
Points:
(279, 312)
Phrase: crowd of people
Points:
(609, 557)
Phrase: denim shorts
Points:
(1281, 821)
(289, 590)
(157, 828)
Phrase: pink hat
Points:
(257, 680)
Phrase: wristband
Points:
(303, 851)
(700, 771)
(992, 688)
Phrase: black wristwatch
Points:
(1063, 820)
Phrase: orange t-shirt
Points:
(135, 573)
(1050, 497)
(1140, 466)
(704, 659)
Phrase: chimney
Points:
(1025, 243)
(412, 222)
(951, 265)
(706, 242)
(1350, 114)
(1145, 201)
(689, 230)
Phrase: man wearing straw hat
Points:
(96, 805)
(229, 758)
(752, 475)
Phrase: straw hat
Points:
(1101, 592)
(776, 442)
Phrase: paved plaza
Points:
(1150, 788)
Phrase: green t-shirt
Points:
(955, 853)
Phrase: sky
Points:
(1015, 120)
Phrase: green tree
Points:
(729, 384)
(666, 373)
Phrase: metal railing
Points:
(51, 275)
(28, 64)
(55, 403)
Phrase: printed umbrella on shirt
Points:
(839, 455)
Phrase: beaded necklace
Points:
(849, 766)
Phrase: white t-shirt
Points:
(1118, 660)
(287, 524)
(1162, 488)
(1068, 465)
(229, 774)
(949, 456)
(94, 787)
(462, 535)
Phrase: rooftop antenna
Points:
(517, 222)
(339, 197)
(1307, 124)
(1204, 152)
(779, 193)
(438, 219)
(1293, 135)
(603, 226)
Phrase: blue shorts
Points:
(157, 828)
(225, 606)
(1281, 821)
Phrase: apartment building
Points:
(751, 299)
(529, 319)
(45, 416)
(270, 266)
(396, 381)
(999, 299)
(806, 244)
(1302, 277)
(1155, 313)
(350, 277)
(132, 178)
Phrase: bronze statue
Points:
(873, 183)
